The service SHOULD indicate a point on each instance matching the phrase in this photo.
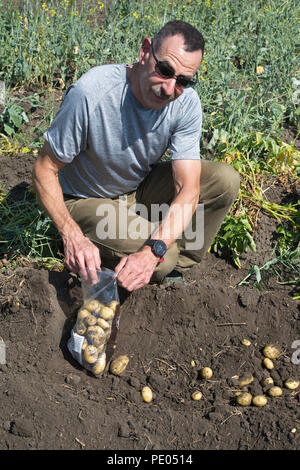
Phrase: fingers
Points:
(83, 258)
(121, 265)
(132, 273)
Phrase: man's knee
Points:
(229, 180)
(221, 182)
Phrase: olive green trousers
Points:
(120, 226)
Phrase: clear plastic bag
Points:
(93, 337)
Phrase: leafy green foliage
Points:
(26, 230)
(235, 235)
(14, 115)
(248, 83)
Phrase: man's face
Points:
(152, 90)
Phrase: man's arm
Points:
(81, 255)
(135, 271)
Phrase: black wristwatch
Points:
(158, 248)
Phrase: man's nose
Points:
(169, 86)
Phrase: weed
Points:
(27, 231)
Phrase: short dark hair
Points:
(193, 39)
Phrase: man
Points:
(103, 150)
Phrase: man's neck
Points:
(132, 72)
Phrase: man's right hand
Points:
(82, 256)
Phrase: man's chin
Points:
(158, 102)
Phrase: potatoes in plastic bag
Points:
(93, 336)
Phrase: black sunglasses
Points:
(166, 71)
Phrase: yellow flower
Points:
(44, 5)
(135, 14)
(52, 12)
(260, 69)
(101, 5)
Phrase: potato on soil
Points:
(291, 384)
(118, 365)
(206, 373)
(259, 400)
(244, 399)
(275, 392)
(147, 394)
(271, 352)
(246, 342)
(268, 363)
(267, 381)
(197, 395)
(246, 379)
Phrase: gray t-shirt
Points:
(110, 141)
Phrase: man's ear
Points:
(145, 50)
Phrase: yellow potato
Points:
(147, 394)
(84, 344)
(118, 365)
(268, 363)
(90, 320)
(100, 348)
(291, 384)
(100, 364)
(193, 363)
(244, 399)
(92, 305)
(267, 381)
(246, 342)
(113, 305)
(107, 313)
(271, 352)
(197, 395)
(80, 327)
(96, 335)
(206, 373)
(260, 400)
(82, 314)
(103, 323)
(246, 379)
(275, 392)
(90, 354)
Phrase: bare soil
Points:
(48, 401)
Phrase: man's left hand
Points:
(135, 270)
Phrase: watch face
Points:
(159, 248)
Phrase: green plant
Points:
(235, 235)
(27, 231)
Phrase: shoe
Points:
(174, 277)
